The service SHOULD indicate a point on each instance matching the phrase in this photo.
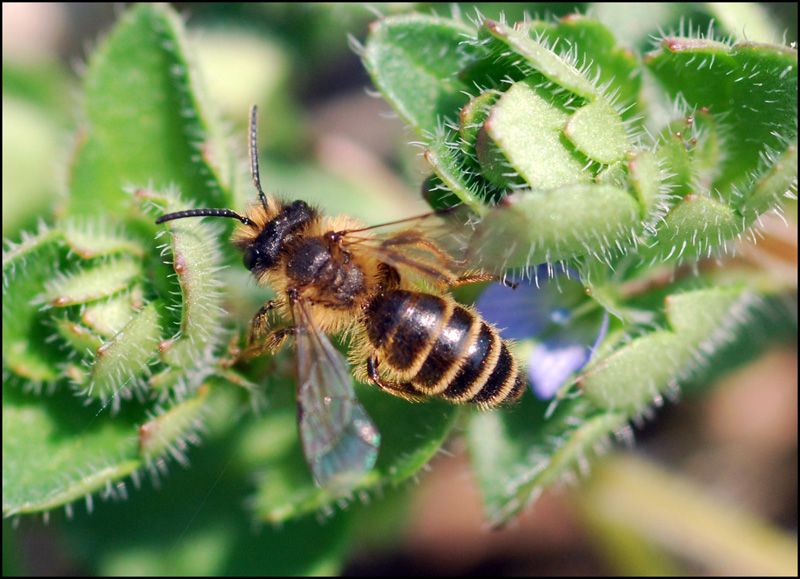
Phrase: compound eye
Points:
(251, 257)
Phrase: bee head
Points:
(262, 251)
(268, 224)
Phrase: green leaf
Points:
(94, 239)
(547, 226)
(109, 316)
(79, 337)
(414, 60)
(102, 325)
(56, 450)
(693, 228)
(542, 60)
(145, 127)
(472, 117)
(597, 131)
(630, 378)
(119, 362)
(772, 189)
(26, 268)
(456, 182)
(196, 261)
(62, 456)
(518, 453)
(644, 178)
(608, 61)
(100, 281)
(524, 144)
(676, 157)
(749, 88)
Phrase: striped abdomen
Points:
(434, 347)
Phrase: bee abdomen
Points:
(479, 382)
(402, 325)
(439, 348)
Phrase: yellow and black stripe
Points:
(431, 346)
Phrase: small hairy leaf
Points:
(643, 370)
(416, 59)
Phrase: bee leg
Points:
(403, 390)
(275, 340)
(259, 340)
(260, 322)
(272, 343)
(482, 276)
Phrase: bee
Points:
(337, 276)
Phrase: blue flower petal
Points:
(549, 368)
(544, 311)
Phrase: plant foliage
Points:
(636, 174)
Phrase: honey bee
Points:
(334, 275)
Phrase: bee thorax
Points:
(325, 273)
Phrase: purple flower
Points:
(554, 311)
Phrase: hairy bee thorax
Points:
(294, 249)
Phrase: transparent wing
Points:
(432, 246)
(339, 440)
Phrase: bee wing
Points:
(339, 440)
(432, 246)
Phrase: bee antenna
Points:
(254, 155)
(204, 213)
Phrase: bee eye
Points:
(251, 257)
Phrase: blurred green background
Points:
(711, 486)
